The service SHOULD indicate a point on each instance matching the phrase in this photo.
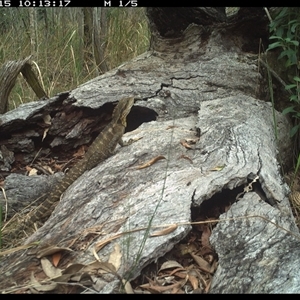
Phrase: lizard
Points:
(101, 148)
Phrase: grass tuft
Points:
(60, 59)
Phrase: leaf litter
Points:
(188, 268)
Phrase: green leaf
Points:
(294, 26)
(296, 78)
(283, 13)
(287, 40)
(292, 60)
(279, 31)
(294, 98)
(294, 130)
(292, 22)
(289, 36)
(288, 110)
(275, 37)
(287, 52)
(290, 86)
(295, 43)
(275, 45)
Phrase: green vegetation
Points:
(285, 36)
(56, 40)
(285, 30)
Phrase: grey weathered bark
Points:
(8, 75)
(88, 26)
(88, 36)
(100, 38)
(95, 36)
(32, 27)
(197, 76)
(33, 81)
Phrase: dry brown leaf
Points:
(94, 251)
(208, 287)
(56, 258)
(192, 141)
(181, 273)
(150, 162)
(115, 257)
(173, 287)
(92, 267)
(99, 267)
(101, 244)
(186, 157)
(49, 269)
(50, 286)
(48, 169)
(150, 283)
(23, 247)
(49, 250)
(83, 278)
(74, 268)
(75, 272)
(160, 289)
(185, 144)
(131, 141)
(165, 231)
(165, 279)
(127, 287)
(202, 263)
(58, 167)
(214, 265)
(45, 133)
(62, 278)
(171, 127)
(206, 233)
(80, 152)
(108, 267)
(194, 281)
(32, 172)
(170, 264)
(47, 119)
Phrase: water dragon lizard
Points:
(102, 147)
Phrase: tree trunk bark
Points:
(100, 37)
(8, 75)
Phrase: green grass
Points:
(60, 59)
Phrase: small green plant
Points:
(295, 97)
(285, 30)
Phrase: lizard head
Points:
(122, 110)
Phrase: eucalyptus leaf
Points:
(274, 45)
(294, 130)
(288, 110)
(290, 86)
